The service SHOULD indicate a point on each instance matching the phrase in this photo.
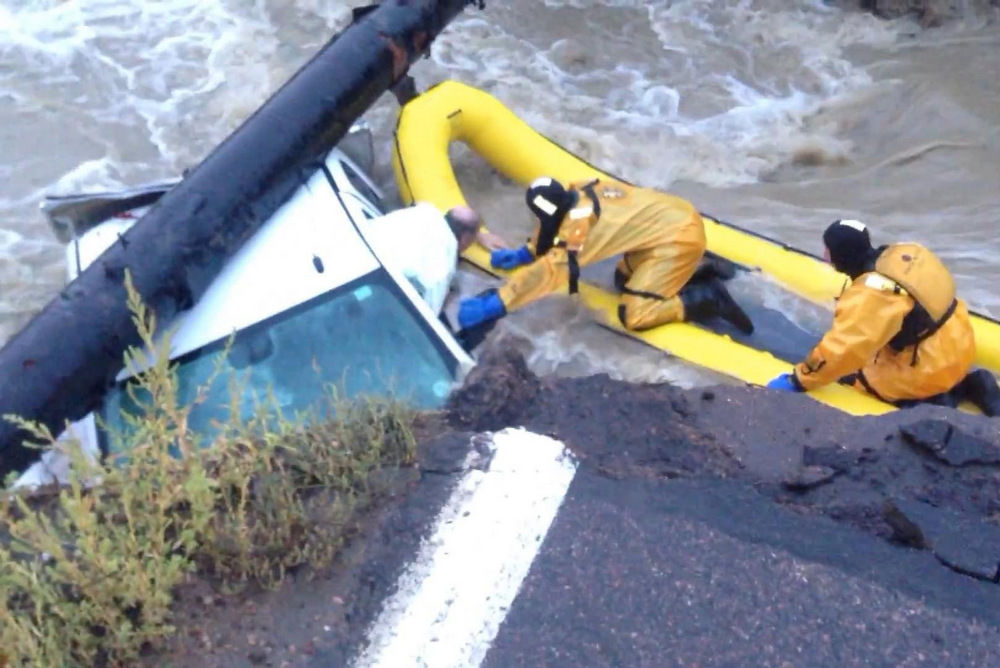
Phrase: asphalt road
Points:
(677, 572)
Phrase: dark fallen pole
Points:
(61, 364)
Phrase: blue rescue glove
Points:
(481, 308)
(508, 258)
(786, 382)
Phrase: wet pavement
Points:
(721, 526)
(678, 572)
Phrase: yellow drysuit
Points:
(662, 238)
(871, 312)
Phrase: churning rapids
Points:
(777, 116)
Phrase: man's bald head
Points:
(464, 223)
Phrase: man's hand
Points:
(786, 382)
(491, 241)
(510, 258)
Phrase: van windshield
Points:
(364, 338)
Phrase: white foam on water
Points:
(89, 176)
(785, 61)
(52, 31)
(179, 74)
(586, 4)
(753, 118)
(8, 238)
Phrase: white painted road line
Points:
(451, 600)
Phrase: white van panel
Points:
(277, 268)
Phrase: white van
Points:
(309, 301)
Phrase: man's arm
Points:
(866, 318)
(536, 280)
(489, 240)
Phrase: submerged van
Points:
(304, 303)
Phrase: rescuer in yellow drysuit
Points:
(661, 236)
(899, 331)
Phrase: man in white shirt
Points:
(425, 246)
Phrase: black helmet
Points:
(549, 201)
(850, 246)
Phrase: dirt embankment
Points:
(926, 477)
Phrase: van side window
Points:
(361, 186)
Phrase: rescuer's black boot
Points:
(704, 300)
(980, 387)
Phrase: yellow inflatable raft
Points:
(452, 111)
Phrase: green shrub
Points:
(87, 571)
